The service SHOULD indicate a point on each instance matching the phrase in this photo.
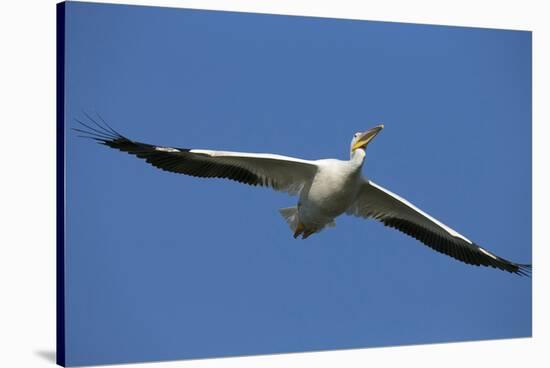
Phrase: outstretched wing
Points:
(393, 211)
(282, 173)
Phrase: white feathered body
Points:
(330, 193)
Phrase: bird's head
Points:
(360, 140)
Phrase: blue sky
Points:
(163, 266)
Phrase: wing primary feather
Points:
(107, 124)
(103, 128)
(107, 135)
(94, 138)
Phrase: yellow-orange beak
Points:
(366, 137)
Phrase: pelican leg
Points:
(307, 233)
(299, 230)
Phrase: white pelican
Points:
(326, 188)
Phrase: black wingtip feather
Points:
(524, 270)
(100, 132)
(177, 162)
(460, 250)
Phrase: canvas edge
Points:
(60, 183)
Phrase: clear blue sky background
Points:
(164, 266)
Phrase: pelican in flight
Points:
(326, 188)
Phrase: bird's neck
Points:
(357, 157)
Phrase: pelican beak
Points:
(366, 137)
